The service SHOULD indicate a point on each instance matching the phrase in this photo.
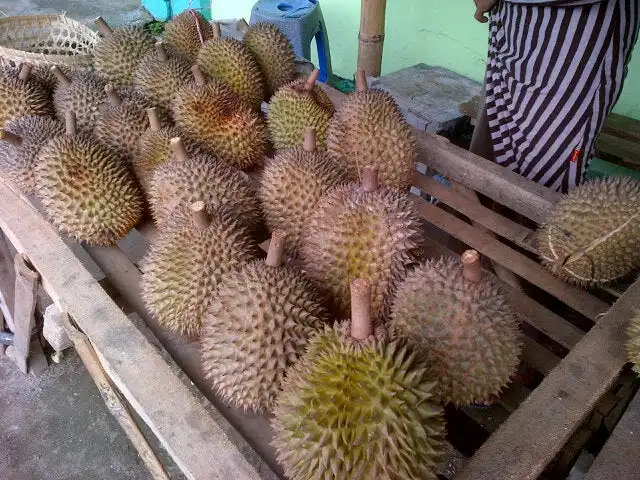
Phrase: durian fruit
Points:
(461, 320)
(186, 32)
(87, 191)
(592, 236)
(273, 51)
(187, 178)
(362, 231)
(633, 341)
(185, 264)
(357, 406)
(229, 60)
(296, 106)
(160, 74)
(258, 324)
(291, 185)
(369, 128)
(22, 139)
(118, 53)
(82, 92)
(220, 122)
(21, 95)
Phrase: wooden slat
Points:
(23, 311)
(619, 147)
(538, 357)
(198, 445)
(523, 446)
(513, 396)
(623, 127)
(576, 298)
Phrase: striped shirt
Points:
(555, 71)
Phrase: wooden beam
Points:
(556, 408)
(24, 309)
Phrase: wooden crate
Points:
(573, 356)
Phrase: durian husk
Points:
(257, 325)
(274, 53)
(19, 161)
(185, 264)
(230, 61)
(633, 341)
(293, 109)
(183, 32)
(356, 234)
(592, 236)
(83, 95)
(467, 331)
(357, 410)
(22, 95)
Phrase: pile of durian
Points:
(345, 332)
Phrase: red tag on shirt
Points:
(575, 155)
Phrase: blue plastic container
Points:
(301, 21)
(163, 10)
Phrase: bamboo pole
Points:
(371, 36)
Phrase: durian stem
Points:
(154, 121)
(179, 150)
(217, 32)
(275, 253)
(201, 219)
(471, 268)
(361, 325)
(311, 80)
(25, 71)
(242, 26)
(361, 81)
(62, 78)
(70, 122)
(198, 76)
(11, 138)
(162, 52)
(369, 179)
(104, 28)
(113, 96)
(310, 140)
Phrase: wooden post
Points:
(371, 36)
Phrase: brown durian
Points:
(185, 264)
(118, 53)
(292, 183)
(186, 32)
(87, 191)
(369, 128)
(295, 107)
(362, 231)
(230, 61)
(210, 114)
(592, 236)
(160, 74)
(21, 95)
(22, 139)
(357, 406)
(188, 178)
(258, 323)
(461, 321)
(273, 51)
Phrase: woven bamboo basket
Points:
(46, 40)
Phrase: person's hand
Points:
(482, 7)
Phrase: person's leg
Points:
(481, 140)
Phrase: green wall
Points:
(435, 32)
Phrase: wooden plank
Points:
(535, 273)
(623, 127)
(7, 280)
(619, 147)
(198, 445)
(23, 312)
(538, 357)
(556, 408)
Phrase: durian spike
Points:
(361, 81)
(154, 120)
(217, 33)
(276, 248)
(112, 95)
(199, 77)
(311, 80)
(162, 52)
(104, 28)
(242, 26)
(369, 179)
(201, 219)
(11, 138)
(471, 268)
(62, 78)
(179, 150)
(361, 326)
(25, 71)
(310, 140)
(70, 122)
